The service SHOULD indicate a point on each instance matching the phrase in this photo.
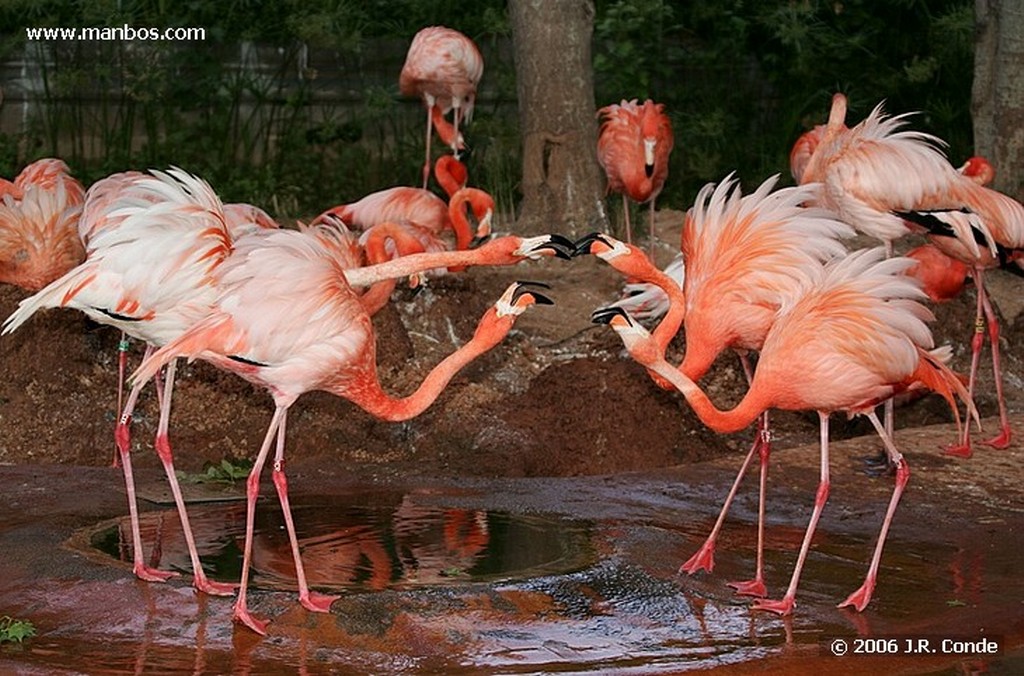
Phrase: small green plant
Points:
(226, 472)
(12, 630)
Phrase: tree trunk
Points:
(562, 183)
(998, 93)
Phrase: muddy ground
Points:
(557, 398)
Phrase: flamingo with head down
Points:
(286, 317)
(852, 337)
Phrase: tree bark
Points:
(562, 184)
(998, 92)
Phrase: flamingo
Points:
(997, 221)
(633, 148)
(443, 68)
(153, 244)
(286, 318)
(849, 339)
(942, 278)
(745, 255)
(872, 174)
(415, 205)
(39, 214)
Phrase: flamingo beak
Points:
(606, 315)
(582, 245)
(562, 247)
(649, 157)
(523, 289)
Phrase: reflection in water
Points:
(372, 543)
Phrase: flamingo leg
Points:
(122, 438)
(429, 101)
(963, 448)
(651, 242)
(122, 363)
(319, 603)
(785, 605)
(860, 598)
(704, 559)
(252, 491)
(756, 586)
(1002, 440)
(163, 449)
(457, 116)
(625, 218)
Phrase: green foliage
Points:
(227, 472)
(740, 80)
(15, 631)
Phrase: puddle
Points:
(355, 543)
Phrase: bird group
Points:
(159, 256)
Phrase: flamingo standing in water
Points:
(39, 214)
(153, 244)
(851, 338)
(443, 68)
(745, 256)
(286, 318)
(633, 148)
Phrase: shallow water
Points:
(462, 582)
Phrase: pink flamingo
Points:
(39, 213)
(443, 68)
(633, 148)
(286, 318)
(415, 205)
(153, 244)
(942, 278)
(745, 256)
(851, 338)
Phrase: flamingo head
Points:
(635, 337)
(520, 296)
(803, 149)
(626, 258)
(481, 206)
(978, 169)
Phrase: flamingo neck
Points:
(720, 421)
(460, 222)
(372, 398)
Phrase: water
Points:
(357, 543)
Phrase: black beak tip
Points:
(605, 315)
(477, 241)
(649, 170)
(525, 287)
(581, 247)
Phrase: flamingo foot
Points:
(144, 572)
(318, 603)
(860, 598)
(704, 559)
(1001, 441)
(959, 450)
(753, 587)
(208, 586)
(783, 607)
(243, 616)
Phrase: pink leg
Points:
(785, 606)
(650, 245)
(319, 603)
(756, 587)
(122, 363)
(962, 449)
(252, 491)
(457, 115)
(429, 102)
(625, 217)
(704, 559)
(163, 449)
(860, 598)
(122, 438)
(1003, 439)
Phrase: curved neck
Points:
(372, 398)
(669, 325)
(745, 412)
(460, 222)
